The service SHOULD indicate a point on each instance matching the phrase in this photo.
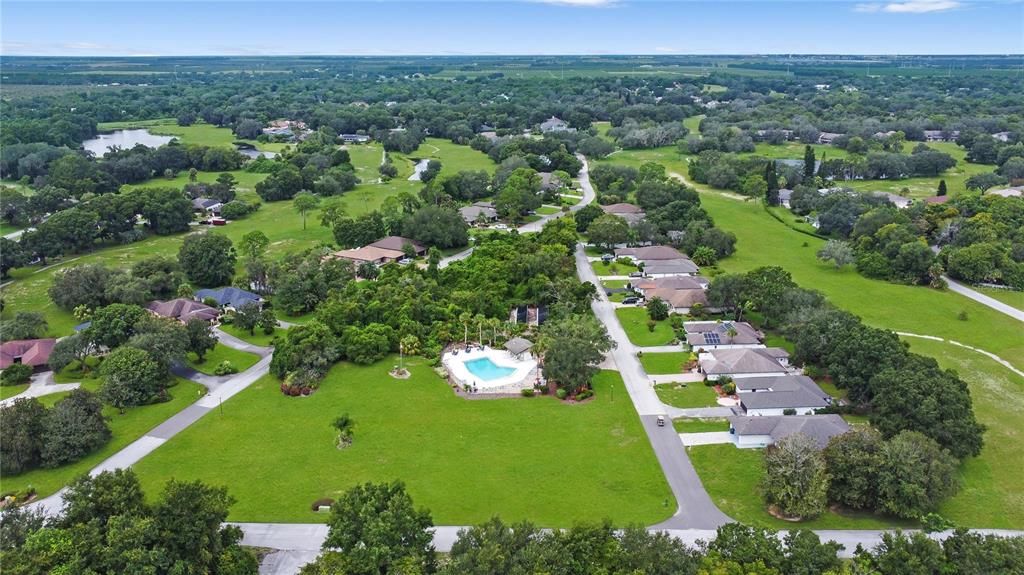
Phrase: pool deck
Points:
(523, 377)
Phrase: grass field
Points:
(240, 359)
(126, 428)
(613, 268)
(7, 391)
(256, 338)
(1009, 297)
(692, 425)
(634, 322)
(548, 210)
(464, 460)
(199, 134)
(692, 395)
(453, 157)
(660, 363)
(731, 477)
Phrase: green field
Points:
(126, 427)
(240, 359)
(634, 322)
(1009, 297)
(613, 268)
(686, 396)
(661, 363)
(464, 460)
(693, 425)
(7, 391)
(731, 475)
(200, 134)
(256, 338)
(453, 157)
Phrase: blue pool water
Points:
(486, 369)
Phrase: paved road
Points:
(695, 508)
(40, 385)
(588, 197)
(984, 299)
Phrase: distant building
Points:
(828, 137)
(554, 124)
(666, 268)
(34, 353)
(398, 243)
(183, 310)
(633, 214)
(354, 138)
(207, 205)
(369, 254)
(1002, 136)
(941, 135)
(745, 362)
(648, 254)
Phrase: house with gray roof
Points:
(648, 254)
(229, 297)
(480, 212)
(207, 205)
(666, 268)
(750, 432)
(709, 335)
(633, 214)
(775, 395)
(554, 124)
(737, 363)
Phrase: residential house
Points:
(31, 352)
(633, 214)
(828, 137)
(229, 297)
(647, 254)
(369, 254)
(479, 212)
(548, 182)
(680, 292)
(354, 138)
(785, 195)
(667, 268)
(764, 431)
(708, 335)
(760, 396)
(398, 243)
(941, 135)
(183, 310)
(1002, 136)
(899, 201)
(554, 124)
(737, 363)
(207, 206)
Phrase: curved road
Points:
(983, 299)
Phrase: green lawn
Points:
(126, 428)
(660, 363)
(200, 134)
(7, 391)
(614, 284)
(6, 228)
(1009, 297)
(464, 460)
(693, 124)
(613, 268)
(686, 396)
(693, 425)
(453, 157)
(548, 210)
(634, 321)
(240, 359)
(731, 477)
(256, 338)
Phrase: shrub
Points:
(16, 374)
(561, 393)
(225, 368)
(789, 411)
(962, 316)
(527, 392)
(624, 261)
(92, 361)
(730, 388)
(585, 394)
(651, 324)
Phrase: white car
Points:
(499, 227)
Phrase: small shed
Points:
(517, 346)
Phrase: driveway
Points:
(41, 384)
(706, 438)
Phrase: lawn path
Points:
(991, 355)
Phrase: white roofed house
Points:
(554, 124)
(744, 362)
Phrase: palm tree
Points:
(465, 319)
(731, 332)
(344, 424)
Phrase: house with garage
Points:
(668, 268)
(34, 353)
(554, 124)
(681, 293)
(711, 335)
(481, 213)
(398, 243)
(229, 297)
(738, 363)
(183, 310)
(749, 432)
(633, 214)
(780, 395)
(649, 254)
(354, 138)
(207, 206)
(369, 254)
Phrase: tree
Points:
(574, 347)
(942, 188)
(208, 259)
(305, 202)
(984, 181)
(248, 129)
(254, 244)
(376, 529)
(16, 374)
(267, 321)
(764, 288)
(436, 226)
(102, 497)
(247, 317)
(608, 231)
(113, 325)
(838, 252)
(916, 475)
(25, 325)
(519, 194)
(344, 424)
(189, 518)
(75, 427)
(130, 378)
(657, 309)
(166, 210)
(586, 215)
(795, 479)
(809, 163)
(771, 178)
(754, 186)
(75, 347)
(22, 435)
(165, 339)
(853, 460)
(201, 338)
(11, 256)
(748, 546)
(432, 170)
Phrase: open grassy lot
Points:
(548, 210)
(126, 428)
(1009, 297)
(990, 494)
(453, 157)
(200, 133)
(692, 425)
(692, 123)
(463, 460)
(634, 321)
(685, 396)
(246, 181)
(613, 268)
(795, 151)
(240, 359)
(256, 338)
(731, 478)
(659, 363)
(12, 390)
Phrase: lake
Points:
(124, 139)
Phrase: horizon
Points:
(504, 28)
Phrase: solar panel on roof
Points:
(712, 338)
(727, 325)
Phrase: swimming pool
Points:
(486, 369)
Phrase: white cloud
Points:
(909, 6)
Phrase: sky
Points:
(384, 27)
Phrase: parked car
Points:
(404, 261)
(661, 421)
(630, 301)
(636, 274)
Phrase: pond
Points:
(124, 139)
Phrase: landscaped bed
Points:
(686, 396)
(634, 321)
(464, 460)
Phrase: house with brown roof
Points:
(183, 310)
(632, 213)
(31, 352)
(398, 243)
(648, 254)
(369, 254)
(680, 292)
